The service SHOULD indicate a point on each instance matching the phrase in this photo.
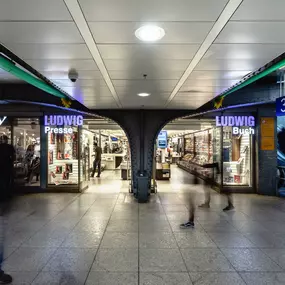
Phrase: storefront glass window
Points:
(237, 157)
(217, 158)
(86, 152)
(27, 143)
(63, 158)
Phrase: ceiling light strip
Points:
(225, 16)
(80, 21)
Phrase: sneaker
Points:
(187, 225)
(5, 278)
(228, 208)
(206, 206)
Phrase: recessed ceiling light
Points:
(143, 94)
(150, 33)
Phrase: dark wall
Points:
(266, 159)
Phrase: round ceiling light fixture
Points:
(150, 33)
(143, 94)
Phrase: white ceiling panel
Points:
(146, 66)
(154, 84)
(217, 75)
(230, 64)
(50, 51)
(46, 36)
(34, 10)
(97, 92)
(261, 10)
(58, 65)
(147, 51)
(82, 74)
(209, 82)
(80, 83)
(201, 89)
(39, 32)
(253, 32)
(149, 10)
(124, 32)
(138, 74)
(244, 51)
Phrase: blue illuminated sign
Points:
(162, 139)
(280, 106)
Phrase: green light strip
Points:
(256, 77)
(8, 66)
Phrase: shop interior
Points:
(71, 157)
(185, 146)
(24, 134)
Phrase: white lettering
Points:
(235, 131)
(58, 130)
(218, 124)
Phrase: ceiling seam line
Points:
(223, 23)
(94, 50)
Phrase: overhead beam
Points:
(221, 22)
(82, 25)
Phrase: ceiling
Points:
(209, 46)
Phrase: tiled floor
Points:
(107, 238)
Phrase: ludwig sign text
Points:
(241, 124)
(62, 124)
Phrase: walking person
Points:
(7, 157)
(191, 206)
(207, 187)
(97, 160)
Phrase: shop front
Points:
(52, 151)
(230, 144)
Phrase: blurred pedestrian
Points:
(209, 183)
(191, 204)
(7, 158)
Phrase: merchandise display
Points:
(237, 158)
(198, 149)
(63, 158)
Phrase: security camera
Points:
(73, 75)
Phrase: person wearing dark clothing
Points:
(7, 157)
(97, 160)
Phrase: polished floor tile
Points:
(61, 278)
(206, 259)
(116, 259)
(220, 278)
(71, 259)
(161, 260)
(105, 237)
(264, 278)
(250, 259)
(162, 278)
(112, 278)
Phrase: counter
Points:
(112, 160)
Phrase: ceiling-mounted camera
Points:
(73, 75)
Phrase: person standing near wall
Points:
(97, 160)
(7, 158)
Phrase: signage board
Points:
(238, 123)
(62, 124)
(280, 106)
(162, 139)
(267, 133)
